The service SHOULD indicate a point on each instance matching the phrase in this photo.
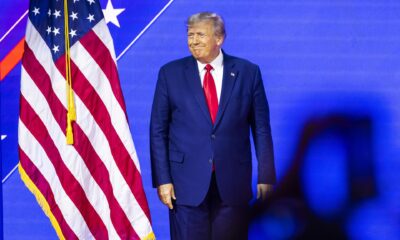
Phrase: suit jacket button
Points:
(213, 136)
(210, 160)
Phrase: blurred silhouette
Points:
(314, 198)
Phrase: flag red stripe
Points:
(44, 187)
(103, 58)
(98, 110)
(82, 145)
(71, 186)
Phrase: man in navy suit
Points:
(204, 107)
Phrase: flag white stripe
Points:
(71, 158)
(104, 35)
(39, 158)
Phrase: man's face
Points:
(203, 43)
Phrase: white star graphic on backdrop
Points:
(55, 48)
(111, 13)
(72, 33)
(49, 12)
(48, 30)
(3, 137)
(56, 31)
(76, 1)
(90, 18)
(36, 11)
(57, 13)
(74, 15)
(90, 2)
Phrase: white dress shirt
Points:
(216, 72)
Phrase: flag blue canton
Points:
(48, 19)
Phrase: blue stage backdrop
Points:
(331, 73)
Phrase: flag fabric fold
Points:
(91, 189)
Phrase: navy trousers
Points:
(211, 220)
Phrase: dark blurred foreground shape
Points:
(332, 171)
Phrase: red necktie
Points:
(210, 92)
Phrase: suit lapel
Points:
(193, 80)
(228, 81)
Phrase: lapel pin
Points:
(232, 74)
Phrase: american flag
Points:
(93, 188)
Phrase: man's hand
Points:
(263, 190)
(166, 194)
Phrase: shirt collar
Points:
(216, 63)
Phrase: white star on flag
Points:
(111, 13)
(74, 15)
(57, 13)
(90, 18)
(72, 33)
(55, 48)
(36, 11)
(56, 31)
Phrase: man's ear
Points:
(220, 40)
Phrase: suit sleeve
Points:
(159, 129)
(260, 125)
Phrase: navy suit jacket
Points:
(184, 143)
